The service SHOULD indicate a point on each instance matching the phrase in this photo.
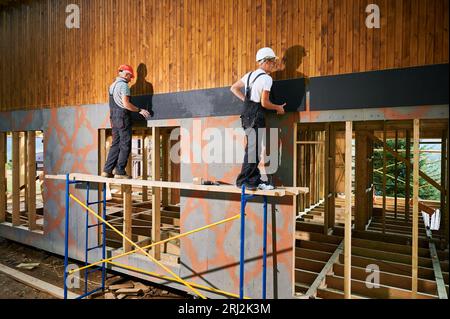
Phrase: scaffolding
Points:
(101, 265)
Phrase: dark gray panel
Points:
(214, 102)
(425, 85)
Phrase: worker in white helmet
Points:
(257, 86)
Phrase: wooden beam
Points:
(36, 283)
(23, 167)
(156, 193)
(371, 191)
(327, 179)
(15, 179)
(447, 193)
(332, 163)
(2, 177)
(165, 166)
(415, 230)
(320, 279)
(127, 216)
(101, 165)
(308, 169)
(395, 175)
(322, 165)
(361, 180)
(443, 173)
(348, 210)
(384, 178)
(295, 170)
(31, 179)
(144, 165)
(407, 174)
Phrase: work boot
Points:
(107, 175)
(265, 187)
(120, 176)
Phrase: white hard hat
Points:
(265, 53)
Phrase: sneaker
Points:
(265, 187)
(119, 176)
(107, 175)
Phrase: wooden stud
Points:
(370, 177)
(447, 197)
(23, 167)
(312, 170)
(144, 165)
(101, 164)
(295, 169)
(165, 167)
(301, 172)
(327, 179)
(322, 166)
(332, 163)
(308, 169)
(384, 177)
(127, 216)
(443, 203)
(127, 207)
(156, 193)
(415, 230)
(2, 177)
(361, 178)
(348, 210)
(15, 179)
(395, 175)
(407, 174)
(31, 179)
(294, 198)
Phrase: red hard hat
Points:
(128, 68)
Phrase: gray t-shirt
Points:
(121, 88)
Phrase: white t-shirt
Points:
(262, 83)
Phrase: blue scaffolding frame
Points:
(244, 199)
(88, 249)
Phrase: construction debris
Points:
(126, 285)
(28, 266)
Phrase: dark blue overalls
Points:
(252, 119)
(121, 137)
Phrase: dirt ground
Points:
(50, 270)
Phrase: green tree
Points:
(429, 164)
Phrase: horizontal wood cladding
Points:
(196, 44)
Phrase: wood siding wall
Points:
(195, 44)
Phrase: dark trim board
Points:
(416, 86)
(424, 85)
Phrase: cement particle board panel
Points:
(424, 85)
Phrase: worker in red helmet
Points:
(120, 115)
